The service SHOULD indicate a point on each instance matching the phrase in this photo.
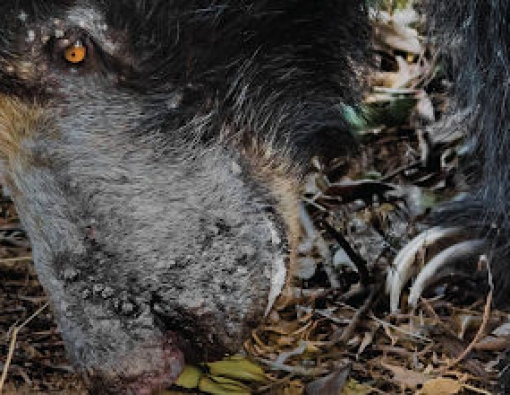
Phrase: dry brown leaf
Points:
(493, 343)
(398, 36)
(406, 74)
(424, 109)
(331, 384)
(284, 341)
(305, 268)
(407, 379)
(295, 387)
(441, 386)
(502, 330)
(354, 388)
(367, 340)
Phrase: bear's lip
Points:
(146, 384)
(167, 360)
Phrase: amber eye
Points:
(76, 53)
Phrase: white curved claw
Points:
(404, 263)
(460, 251)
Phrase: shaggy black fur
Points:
(257, 63)
(475, 38)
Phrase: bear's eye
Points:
(76, 53)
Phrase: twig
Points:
(396, 172)
(390, 325)
(16, 260)
(398, 329)
(358, 261)
(485, 319)
(477, 390)
(12, 345)
(296, 370)
(346, 334)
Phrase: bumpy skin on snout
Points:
(157, 177)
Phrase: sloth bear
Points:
(154, 150)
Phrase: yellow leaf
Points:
(353, 387)
(209, 386)
(226, 382)
(189, 377)
(237, 368)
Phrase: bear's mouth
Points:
(166, 366)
